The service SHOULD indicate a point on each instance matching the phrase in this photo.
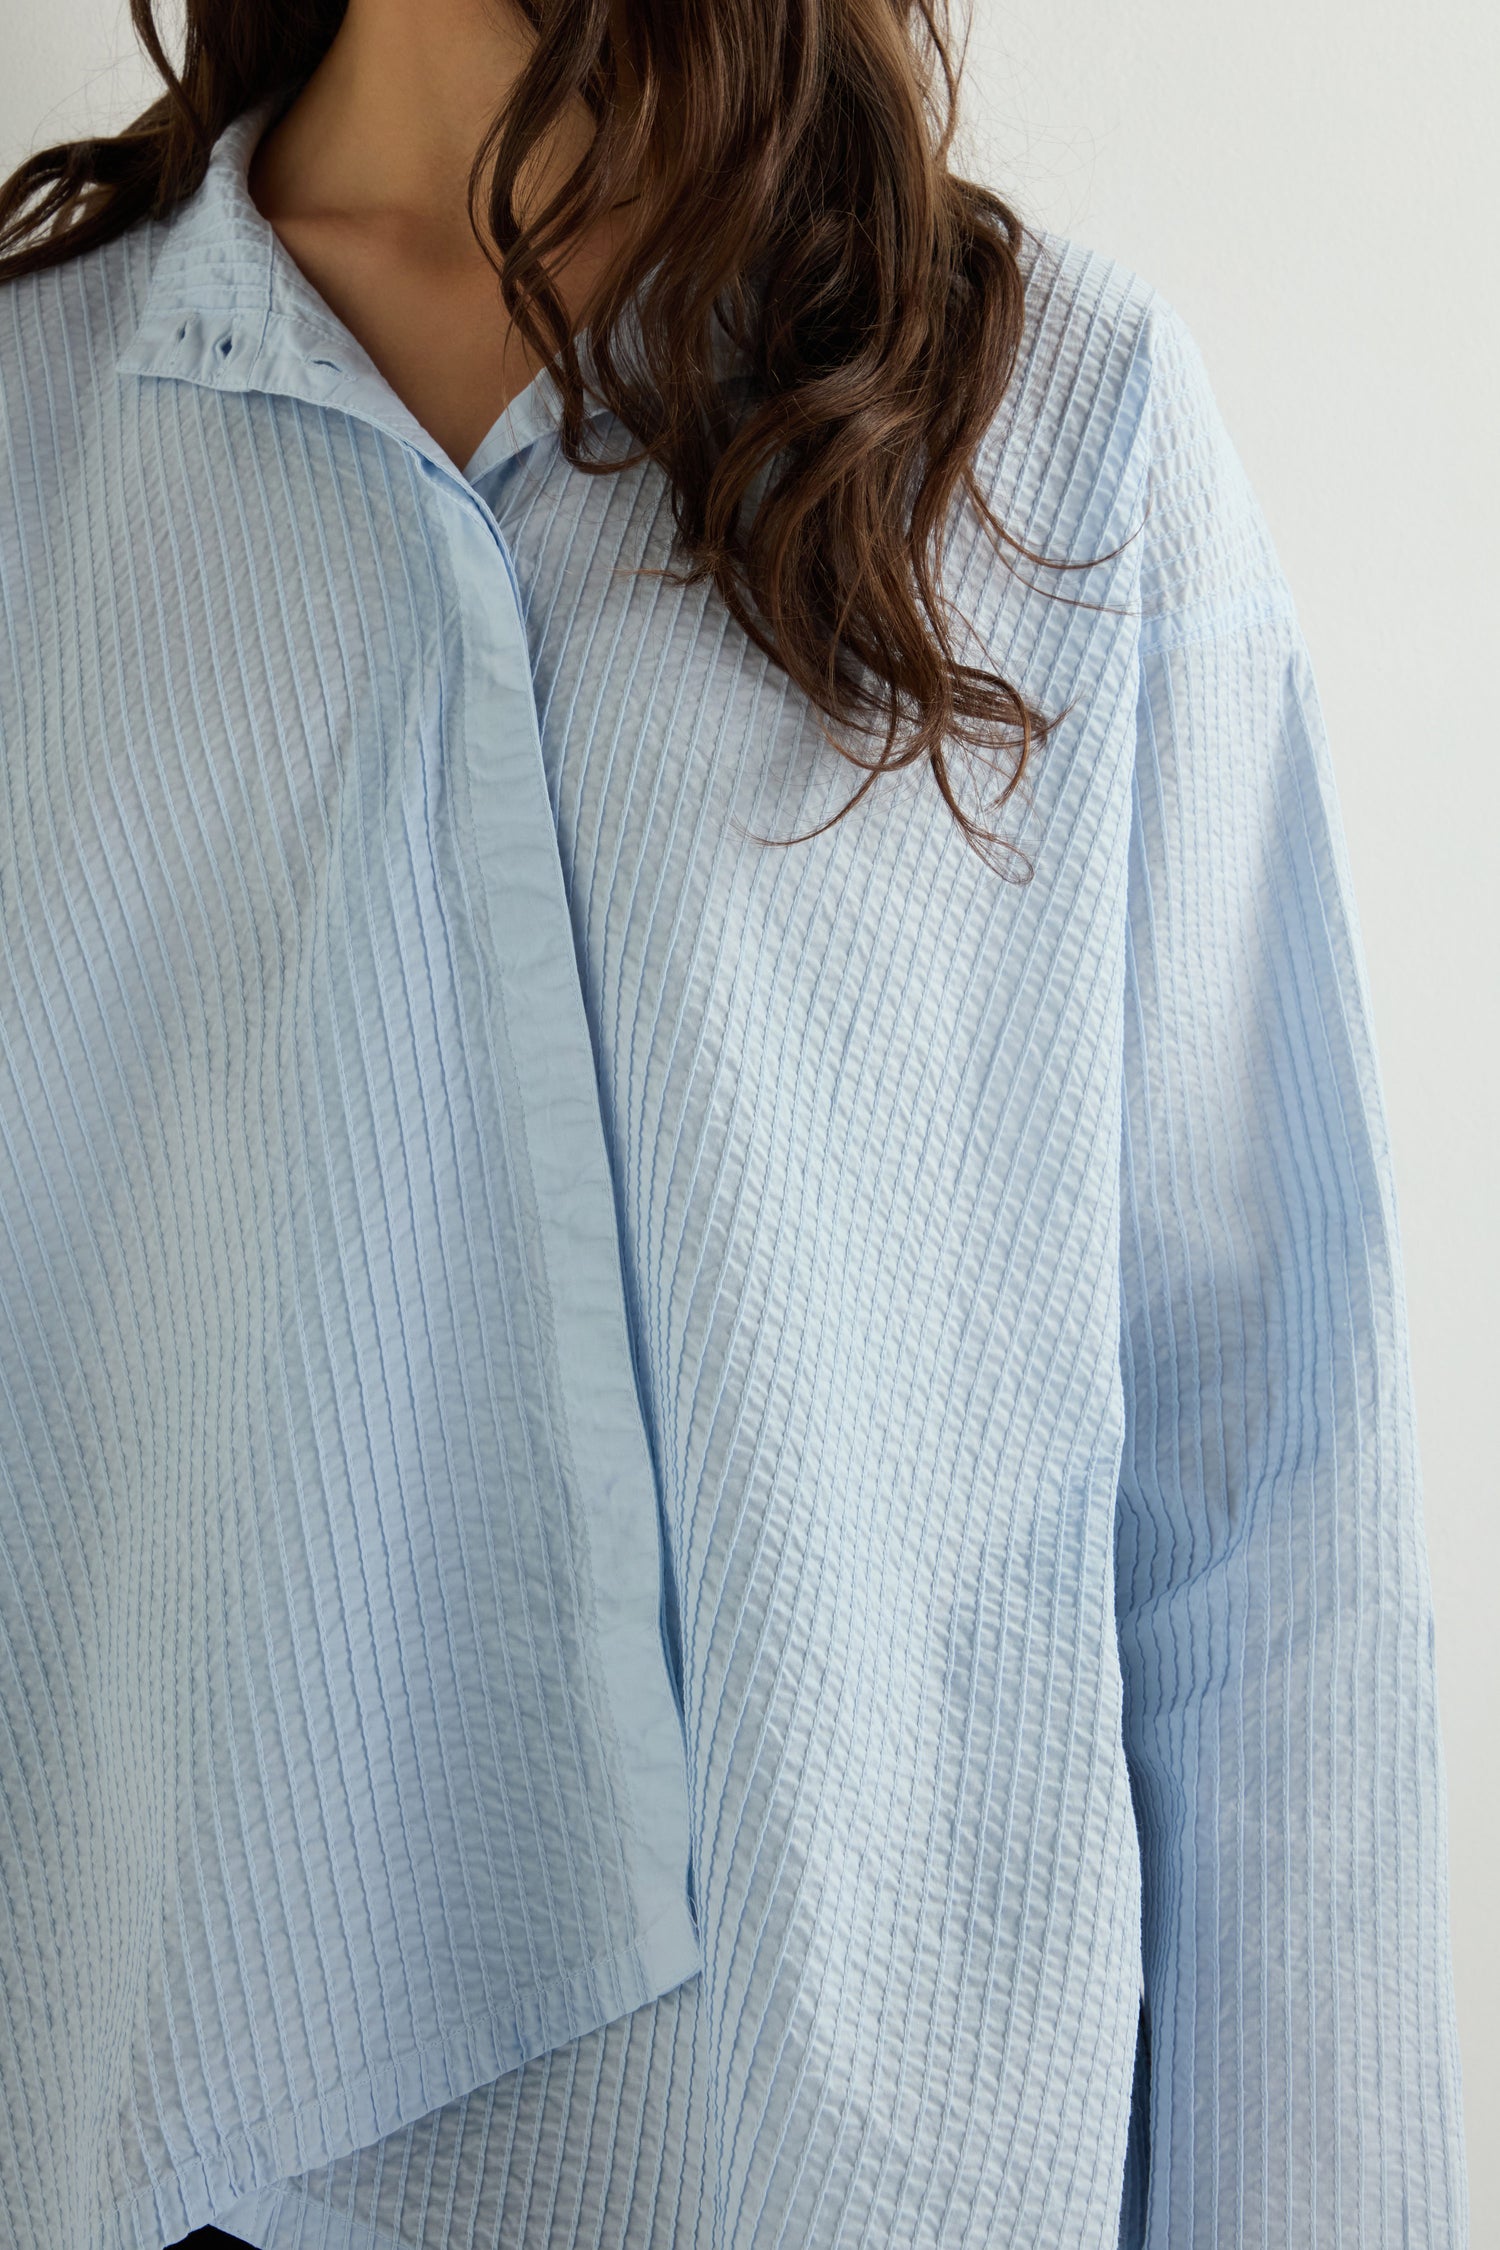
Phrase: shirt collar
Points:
(228, 307)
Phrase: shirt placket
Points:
(538, 1022)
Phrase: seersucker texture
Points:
(704, 1547)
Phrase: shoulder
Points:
(1104, 351)
(1061, 467)
(1111, 425)
(1081, 373)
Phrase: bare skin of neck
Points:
(364, 180)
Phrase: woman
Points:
(712, 1533)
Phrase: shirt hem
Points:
(250, 2164)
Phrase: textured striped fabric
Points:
(703, 1545)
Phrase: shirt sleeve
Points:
(1298, 2073)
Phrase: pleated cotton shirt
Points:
(705, 1546)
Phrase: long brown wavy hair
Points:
(789, 160)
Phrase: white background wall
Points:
(1316, 188)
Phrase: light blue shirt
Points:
(676, 1516)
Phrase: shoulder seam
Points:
(1203, 621)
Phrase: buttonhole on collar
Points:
(224, 346)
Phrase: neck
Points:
(389, 122)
